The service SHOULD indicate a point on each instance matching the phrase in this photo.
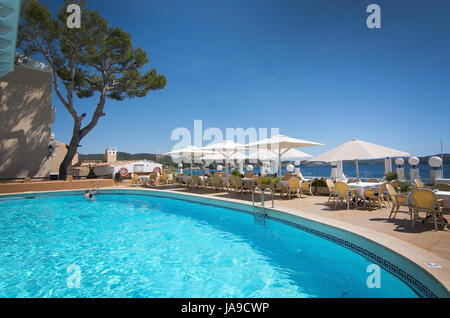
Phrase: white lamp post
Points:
(180, 166)
(290, 168)
(297, 167)
(219, 168)
(400, 170)
(266, 168)
(249, 168)
(387, 165)
(334, 172)
(413, 171)
(435, 162)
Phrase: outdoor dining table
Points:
(360, 187)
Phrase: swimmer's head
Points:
(91, 195)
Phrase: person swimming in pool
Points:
(89, 195)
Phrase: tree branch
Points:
(67, 104)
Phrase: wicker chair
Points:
(425, 200)
(332, 188)
(395, 184)
(306, 186)
(194, 182)
(375, 195)
(280, 187)
(419, 183)
(375, 180)
(217, 183)
(238, 184)
(398, 201)
(135, 180)
(293, 187)
(343, 194)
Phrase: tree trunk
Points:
(71, 151)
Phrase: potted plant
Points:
(390, 176)
(237, 173)
(404, 187)
(319, 186)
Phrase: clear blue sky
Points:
(311, 68)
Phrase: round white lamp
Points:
(219, 168)
(290, 168)
(249, 168)
(297, 163)
(267, 164)
(413, 161)
(400, 170)
(435, 162)
(399, 161)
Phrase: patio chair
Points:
(279, 187)
(398, 201)
(344, 195)
(217, 183)
(238, 184)
(293, 187)
(135, 180)
(419, 183)
(395, 184)
(425, 200)
(194, 182)
(164, 178)
(332, 188)
(249, 186)
(306, 186)
(375, 195)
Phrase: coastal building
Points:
(110, 166)
(26, 114)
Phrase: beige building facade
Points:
(26, 115)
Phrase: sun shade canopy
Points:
(359, 150)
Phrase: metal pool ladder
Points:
(262, 192)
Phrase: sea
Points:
(365, 171)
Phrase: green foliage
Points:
(266, 180)
(237, 173)
(96, 60)
(170, 170)
(319, 183)
(404, 186)
(391, 176)
(91, 59)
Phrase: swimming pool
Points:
(134, 245)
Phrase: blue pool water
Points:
(146, 246)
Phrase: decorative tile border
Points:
(410, 280)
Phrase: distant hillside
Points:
(166, 160)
